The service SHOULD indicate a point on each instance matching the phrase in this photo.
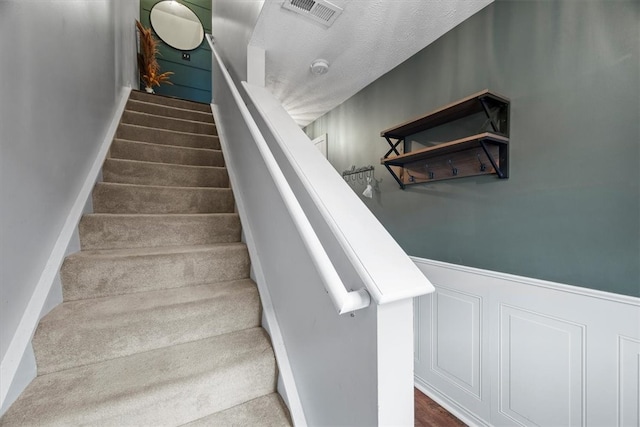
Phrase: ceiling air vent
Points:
(317, 10)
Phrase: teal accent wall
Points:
(192, 79)
(570, 211)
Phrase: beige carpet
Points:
(160, 324)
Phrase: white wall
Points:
(59, 86)
(232, 26)
(498, 349)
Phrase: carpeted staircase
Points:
(160, 323)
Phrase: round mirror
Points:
(176, 25)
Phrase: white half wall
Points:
(498, 349)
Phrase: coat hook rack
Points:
(483, 153)
(356, 171)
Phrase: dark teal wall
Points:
(192, 79)
(570, 211)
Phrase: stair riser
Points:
(143, 231)
(132, 172)
(158, 122)
(166, 137)
(171, 102)
(91, 331)
(94, 277)
(127, 199)
(122, 149)
(161, 110)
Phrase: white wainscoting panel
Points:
(629, 378)
(541, 369)
(456, 330)
(502, 350)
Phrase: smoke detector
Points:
(316, 10)
(319, 67)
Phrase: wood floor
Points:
(430, 414)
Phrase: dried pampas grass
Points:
(147, 63)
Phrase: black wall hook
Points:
(483, 167)
(454, 170)
(429, 172)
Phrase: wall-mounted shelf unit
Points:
(481, 154)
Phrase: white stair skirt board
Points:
(499, 349)
(285, 372)
(27, 326)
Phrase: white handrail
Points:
(342, 300)
(368, 247)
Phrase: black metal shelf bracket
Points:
(394, 146)
(499, 171)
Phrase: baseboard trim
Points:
(448, 404)
(31, 316)
(593, 293)
(284, 367)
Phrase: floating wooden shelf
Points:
(481, 154)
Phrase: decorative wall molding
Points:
(547, 353)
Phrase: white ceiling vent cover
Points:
(317, 10)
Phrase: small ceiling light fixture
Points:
(319, 67)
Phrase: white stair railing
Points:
(342, 300)
(335, 370)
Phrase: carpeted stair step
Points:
(149, 173)
(169, 386)
(78, 333)
(131, 199)
(159, 122)
(169, 101)
(119, 231)
(265, 411)
(100, 273)
(166, 111)
(166, 137)
(148, 152)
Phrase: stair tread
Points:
(105, 272)
(112, 231)
(168, 386)
(168, 100)
(204, 135)
(139, 101)
(112, 197)
(77, 333)
(150, 251)
(161, 187)
(163, 122)
(128, 171)
(139, 132)
(161, 215)
(168, 118)
(172, 107)
(167, 165)
(265, 411)
(179, 147)
(169, 111)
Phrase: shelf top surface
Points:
(456, 110)
(447, 147)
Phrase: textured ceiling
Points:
(368, 39)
